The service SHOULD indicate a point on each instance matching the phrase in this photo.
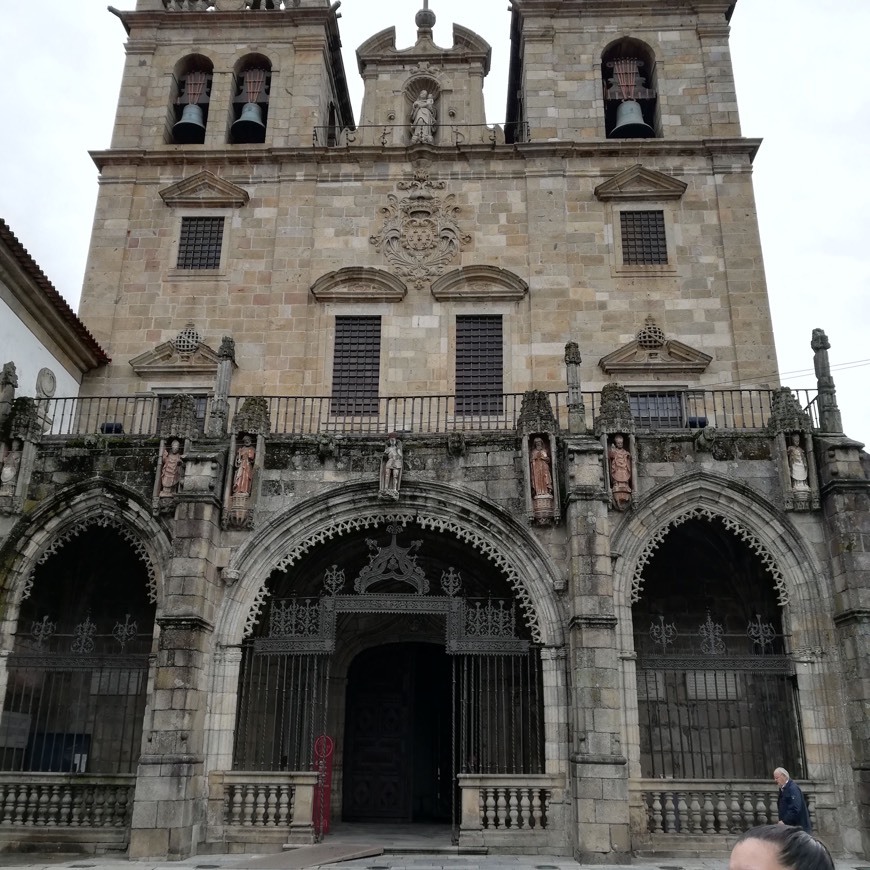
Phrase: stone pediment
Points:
(640, 183)
(652, 354)
(480, 282)
(467, 47)
(204, 190)
(166, 359)
(359, 284)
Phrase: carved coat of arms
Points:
(421, 234)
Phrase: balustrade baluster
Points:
(260, 808)
(9, 804)
(748, 811)
(513, 809)
(670, 812)
(76, 797)
(735, 826)
(682, 821)
(722, 813)
(123, 803)
(53, 806)
(773, 805)
(38, 802)
(501, 808)
(538, 808)
(656, 820)
(761, 808)
(695, 811)
(21, 806)
(235, 808)
(709, 814)
(489, 816)
(99, 806)
(248, 815)
(283, 805)
(525, 807)
(271, 806)
(65, 806)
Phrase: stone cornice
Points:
(626, 149)
(853, 615)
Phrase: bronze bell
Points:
(249, 127)
(190, 128)
(630, 123)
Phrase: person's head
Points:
(617, 440)
(779, 847)
(796, 439)
(175, 446)
(781, 776)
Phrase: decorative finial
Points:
(425, 18)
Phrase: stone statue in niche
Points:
(541, 478)
(423, 119)
(244, 464)
(391, 469)
(10, 468)
(170, 470)
(619, 461)
(797, 465)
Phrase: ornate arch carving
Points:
(104, 520)
(348, 509)
(732, 525)
(444, 526)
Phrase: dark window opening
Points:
(644, 242)
(200, 244)
(479, 364)
(657, 410)
(356, 365)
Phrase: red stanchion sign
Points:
(323, 747)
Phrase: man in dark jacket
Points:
(791, 805)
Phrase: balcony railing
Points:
(399, 135)
(425, 415)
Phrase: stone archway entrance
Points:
(398, 735)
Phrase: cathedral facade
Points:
(441, 471)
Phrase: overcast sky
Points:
(800, 85)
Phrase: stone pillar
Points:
(169, 807)
(576, 408)
(599, 768)
(219, 411)
(845, 495)
(829, 412)
(8, 383)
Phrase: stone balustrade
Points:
(264, 807)
(699, 807)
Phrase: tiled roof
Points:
(30, 267)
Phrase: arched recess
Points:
(249, 107)
(485, 526)
(628, 71)
(66, 515)
(423, 510)
(796, 587)
(190, 95)
(78, 630)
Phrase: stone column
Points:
(599, 768)
(845, 496)
(219, 411)
(169, 805)
(576, 408)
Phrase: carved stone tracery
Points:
(705, 514)
(401, 520)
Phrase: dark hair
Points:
(797, 849)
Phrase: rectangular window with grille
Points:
(356, 365)
(199, 246)
(479, 364)
(643, 238)
(658, 410)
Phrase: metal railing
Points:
(400, 135)
(428, 415)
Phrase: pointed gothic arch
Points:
(71, 511)
(487, 528)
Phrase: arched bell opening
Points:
(249, 111)
(189, 103)
(630, 94)
(76, 677)
(412, 617)
(716, 687)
